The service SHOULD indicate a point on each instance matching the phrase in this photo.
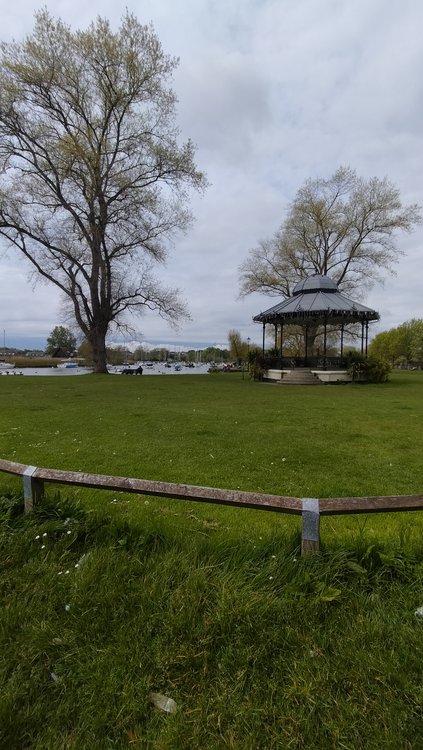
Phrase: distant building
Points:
(61, 353)
(34, 353)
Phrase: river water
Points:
(156, 369)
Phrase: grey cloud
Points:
(224, 107)
(271, 92)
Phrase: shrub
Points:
(256, 369)
(371, 370)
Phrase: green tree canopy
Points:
(238, 349)
(61, 338)
(403, 344)
(93, 180)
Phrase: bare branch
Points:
(93, 181)
(344, 227)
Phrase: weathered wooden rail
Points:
(311, 509)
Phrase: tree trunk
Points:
(310, 334)
(98, 344)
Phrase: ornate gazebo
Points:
(316, 303)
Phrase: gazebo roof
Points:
(316, 299)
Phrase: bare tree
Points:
(344, 227)
(93, 182)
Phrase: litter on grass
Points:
(163, 703)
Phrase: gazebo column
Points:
(314, 305)
(325, 340)
(306, 345)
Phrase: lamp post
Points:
(248, 353)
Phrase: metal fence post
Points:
(310, 533)
(33, 488)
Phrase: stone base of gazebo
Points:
(324, 376)
(333, 376)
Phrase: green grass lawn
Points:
(108, 597)
(221, 430)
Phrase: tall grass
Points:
(258, 647)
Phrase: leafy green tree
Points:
(373, 369)
(61, 338)
(140, 354)
(239, 350)
(410, 335)
(93, 181)
(86, 353)
(403, 341)
(116, 355)
(417, 342)
(159, 354)
(214, 354)
(403, 344)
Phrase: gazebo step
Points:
(302, 376)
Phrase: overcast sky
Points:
(272, 92)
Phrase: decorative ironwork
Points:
(290, 363)
(317, 303)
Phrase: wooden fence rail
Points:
(309, 508)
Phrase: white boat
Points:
(7, 365)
